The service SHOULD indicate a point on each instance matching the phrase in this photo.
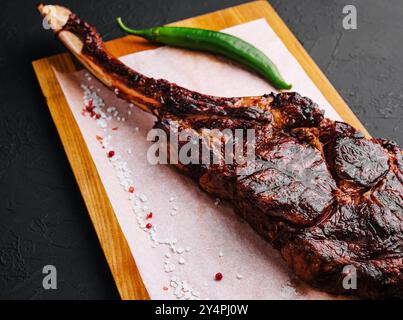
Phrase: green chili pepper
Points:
(215, 42)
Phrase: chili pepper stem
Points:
(146, 33)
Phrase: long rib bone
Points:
(150, 94)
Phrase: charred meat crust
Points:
(168, 94)
(319, 191)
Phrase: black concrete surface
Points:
(43, 219)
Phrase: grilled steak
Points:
(324, 195)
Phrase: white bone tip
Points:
(55, 16)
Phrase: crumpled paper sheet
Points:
(210, 237)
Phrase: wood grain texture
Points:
(111, 238)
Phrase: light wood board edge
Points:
(113, 243)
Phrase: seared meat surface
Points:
(324, 195)
(364, 227)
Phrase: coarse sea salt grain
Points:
(102, 123)
(185, 286)
(178, 292)
(169, 267)
(288, 291)
(183, 289)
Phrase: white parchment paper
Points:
(192, 236)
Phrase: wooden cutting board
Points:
(113, 243)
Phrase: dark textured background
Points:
(43, 219)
